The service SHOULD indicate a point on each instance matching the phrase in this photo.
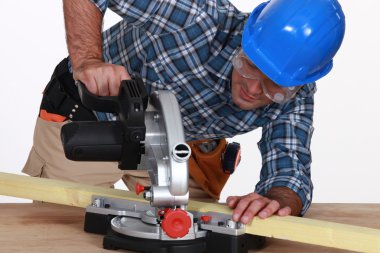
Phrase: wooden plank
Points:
(318, 232)
(323, 233)
(303, 230)
(56, 191)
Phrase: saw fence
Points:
(297, 229)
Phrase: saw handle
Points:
(97, 103)
(129, 89)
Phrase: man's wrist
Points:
(286, 197)
(82, 63)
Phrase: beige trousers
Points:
(47, 159)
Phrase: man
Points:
(231, 73)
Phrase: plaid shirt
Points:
(187, 47)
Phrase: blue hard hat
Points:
(293, 42)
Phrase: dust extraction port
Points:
(181, 152)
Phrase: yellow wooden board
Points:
(303, 230)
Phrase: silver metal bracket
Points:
(139, 219)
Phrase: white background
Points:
(345, 143)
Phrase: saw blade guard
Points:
(166, 152)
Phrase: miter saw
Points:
(148, 135)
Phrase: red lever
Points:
(206, 218)
(176, 223)
(139, 188)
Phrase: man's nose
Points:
(254, 87)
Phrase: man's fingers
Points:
(87, 79)
(240, 204)
(91, 85)
(240, 207)
(232, 201)
(102, 79)
(113, 85)
(253, 208)
(269, 210)
(284, 211)
(119, 75)
(114, 89)
(248, 206)
(124, 74)
(102, 83)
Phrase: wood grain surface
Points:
(43, 227)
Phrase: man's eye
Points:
(248, 62)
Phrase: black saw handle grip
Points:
(97, 103)
(133, 88)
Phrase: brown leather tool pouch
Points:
(206, 168)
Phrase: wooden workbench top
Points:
(38, 228)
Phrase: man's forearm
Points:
(83, 23)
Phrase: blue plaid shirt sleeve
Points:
(101, 4)
(285, 150)
(132, 11)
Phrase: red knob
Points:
(176, 223)
(139, 188)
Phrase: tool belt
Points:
(61, 102)
(212, 169)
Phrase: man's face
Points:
(248, 93)
(252, 89)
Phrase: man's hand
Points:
(83, 23)
(102, 79)
(279, 200)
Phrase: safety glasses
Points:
(273, 91)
